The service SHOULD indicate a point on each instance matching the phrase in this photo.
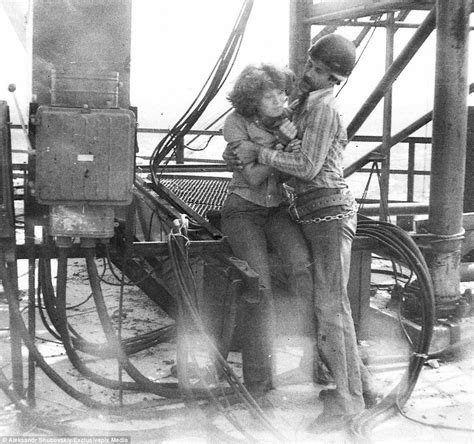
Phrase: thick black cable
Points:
(38, 357)
(46, 422)
(63, 329)
(181, 267)
(191, 393)
(184, 307)
(161, 389)
(215, 81)
(398, 244)
(49, 327)
(134, 373)
(131, 345)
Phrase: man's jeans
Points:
(331, 243)
(251, 229)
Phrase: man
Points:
(325, 209)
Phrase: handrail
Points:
(402, 136)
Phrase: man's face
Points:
(317, 75)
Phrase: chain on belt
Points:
(317, 220)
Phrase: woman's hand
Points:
(231, 159)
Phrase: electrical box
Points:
(81, 221)
(84, 156)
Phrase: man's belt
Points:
(304, 205)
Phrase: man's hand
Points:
(230, 157)
(293, 147)
(247, 152)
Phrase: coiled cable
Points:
(397, 244)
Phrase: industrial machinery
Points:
(159, 224)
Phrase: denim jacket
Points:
(236, 129)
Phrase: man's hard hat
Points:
(337, 53)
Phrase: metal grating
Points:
(201, 194)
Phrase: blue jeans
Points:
(331, 244)
(251, 229)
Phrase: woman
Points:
(255, 216)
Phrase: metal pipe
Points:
(329, 29)
(354, 11)
(300, 35)
(395, 209)
(381, 24)
(417, 40)
(449, 149)
(387, 121)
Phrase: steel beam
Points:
(324, 12)
(417, 40)
(448, 150)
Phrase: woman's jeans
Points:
(251, 229)
(331, 243)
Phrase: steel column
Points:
(300, 35)
(387, 122)
(448, 150)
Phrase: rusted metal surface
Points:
(82, 221)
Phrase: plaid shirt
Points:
(323, 136)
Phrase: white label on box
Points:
(85, 158)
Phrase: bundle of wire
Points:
(188, 310)
(211, 87)
(47, 300)
(396, 244)
(142, 383)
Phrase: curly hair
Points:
(253, 81)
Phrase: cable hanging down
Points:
(399, 246)
(211, 87)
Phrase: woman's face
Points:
(272, 103)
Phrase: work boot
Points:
(329, 422)
(334, 416)
(370, 397)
